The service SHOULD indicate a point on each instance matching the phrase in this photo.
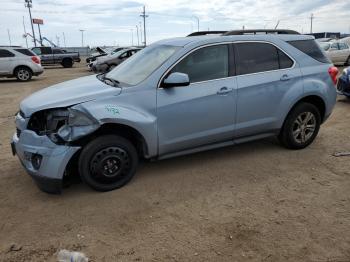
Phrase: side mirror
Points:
(176, 79)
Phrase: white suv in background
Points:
(19, 62)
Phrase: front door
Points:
(202, 113)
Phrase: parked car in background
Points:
(55, 55)
(106, 63)
(338, 52)
(343, 85)
(176, 97)
(19, 62)
(346, 40)
(102, 52)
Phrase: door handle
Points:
(285, 77)
(224, 91)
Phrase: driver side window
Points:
(207, 63)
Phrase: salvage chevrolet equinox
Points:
(176, 97)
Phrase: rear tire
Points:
(108, 162)
(347, 63)
(67, 63)
(23, 74)
(300, 127)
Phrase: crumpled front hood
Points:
(66, 94)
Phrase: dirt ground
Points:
(252, 202)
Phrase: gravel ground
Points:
(252, 202)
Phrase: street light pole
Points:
(196, 17)
(138, 39)
(82, 37)
(28, 3)
(8, 32)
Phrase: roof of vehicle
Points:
(11, 46)
(183, 41)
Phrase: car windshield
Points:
(141, 65)
(325, 46)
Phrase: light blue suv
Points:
(176, 97)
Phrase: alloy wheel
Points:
(304, 127)
(23, 74)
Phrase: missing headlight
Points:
(48, 121)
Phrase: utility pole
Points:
(132, 37)
(28, 3)
(8, 32)
(311, 20)
(144, 24)
(196, 17)
(140, 26)
(64, 39)
(25, 32)
(82, 37)
(138, 39)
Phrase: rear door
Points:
(203, 112)
(7, 60)
(265, 74)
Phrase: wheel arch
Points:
(19, 66)
(126, 131)
(315, 100)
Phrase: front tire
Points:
(23, 74)
(300, 127)
(67, 63)
(108, 162)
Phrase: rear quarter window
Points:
(256, 57)
(310, 48)
(25, 52)
(6, 53)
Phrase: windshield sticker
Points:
(112, 109)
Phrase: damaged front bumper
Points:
(43, 160)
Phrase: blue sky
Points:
(112, 22)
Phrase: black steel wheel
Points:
(108, 162)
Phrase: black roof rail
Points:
(10, 46)
(262, 31)
(199, 33)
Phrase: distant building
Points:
(334, 35)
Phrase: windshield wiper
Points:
(108, 80)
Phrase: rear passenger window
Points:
(25, 52)
(311, 48)
(343, 46)
(207, 63)
(5, 53)
(259, 57)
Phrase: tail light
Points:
(36, 59)
(333, 72)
